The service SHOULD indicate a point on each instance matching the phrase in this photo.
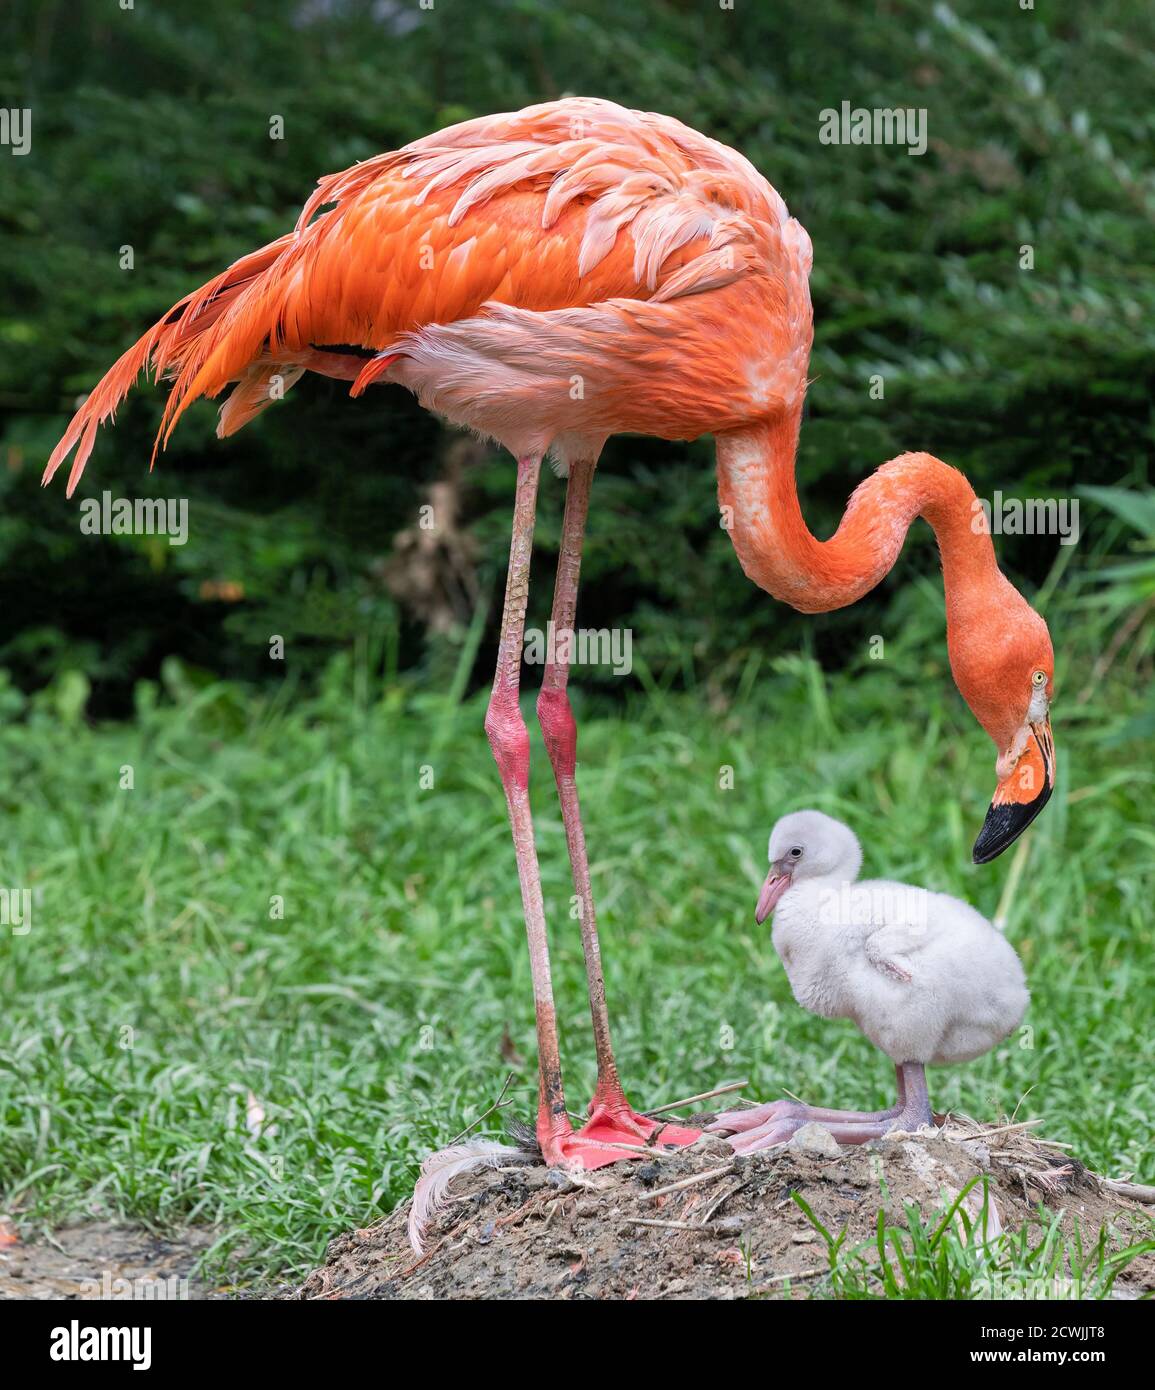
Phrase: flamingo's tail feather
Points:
(180, 344)
(99, 406)
(439, 1169)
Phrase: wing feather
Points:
(570, 204)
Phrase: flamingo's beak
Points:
(1021, 794)
(777, 882)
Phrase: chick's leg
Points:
(767, 1125)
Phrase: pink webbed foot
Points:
(625, 1125)
(613, 1132)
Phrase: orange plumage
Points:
(590, 225)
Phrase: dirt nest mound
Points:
(703, 1223)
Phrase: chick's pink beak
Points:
(776, 884)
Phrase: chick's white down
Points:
(924, 976)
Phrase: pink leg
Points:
(772, 1124)
(509, 740)
(611, 1115)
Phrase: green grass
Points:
(956, 1256)
(156, 991)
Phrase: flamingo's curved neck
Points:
(760, 507)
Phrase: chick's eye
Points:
(1039, 678)
(795, 853)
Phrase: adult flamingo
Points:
(548, 278)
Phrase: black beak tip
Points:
(1004, 824)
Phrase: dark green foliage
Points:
(151, 130)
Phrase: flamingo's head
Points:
(807, 845)
(1004, 667)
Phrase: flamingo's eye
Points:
(795, 853)
(1039, 678)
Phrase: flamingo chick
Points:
(927, 978)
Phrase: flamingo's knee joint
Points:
(555, 716)
(509, 739)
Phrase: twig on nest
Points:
(422, 1258)
(695, 1180)
(692, 1100)
(802, 1274)
(669, 1225)
(499, 1104)
(1137, 1191)
(641, 1149)
(712, 1209)
(1007, 1129)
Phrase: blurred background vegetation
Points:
(151, 130)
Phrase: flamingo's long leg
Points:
(611, 1115)
(509, 739)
